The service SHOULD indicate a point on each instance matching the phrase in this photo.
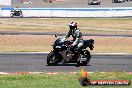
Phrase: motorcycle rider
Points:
(17, 11)
(77, 36)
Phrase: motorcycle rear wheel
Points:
(84, 63)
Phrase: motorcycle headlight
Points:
(58, 47)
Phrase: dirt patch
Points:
(113, 44)
(87, 25)
(25, 43)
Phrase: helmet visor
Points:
(72, 27)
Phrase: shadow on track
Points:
(67, 64)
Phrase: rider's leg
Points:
(80, 44)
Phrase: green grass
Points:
(58, 81)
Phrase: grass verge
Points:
(59, 80)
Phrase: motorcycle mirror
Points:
(56, 35)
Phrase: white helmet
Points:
(73, 25)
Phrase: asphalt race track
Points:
(62, 34)
(36, 62)
(70, 4)
(67, 4)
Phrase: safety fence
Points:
(70, 12)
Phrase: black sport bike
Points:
(15, 13)
(61, 53)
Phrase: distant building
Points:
(26, 2)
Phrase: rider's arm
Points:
(66, 36)
(75, 42)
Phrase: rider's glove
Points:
(70, 46)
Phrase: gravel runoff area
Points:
(42, 43)
(121, 26)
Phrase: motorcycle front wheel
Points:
(11, 15)
(51, 59)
